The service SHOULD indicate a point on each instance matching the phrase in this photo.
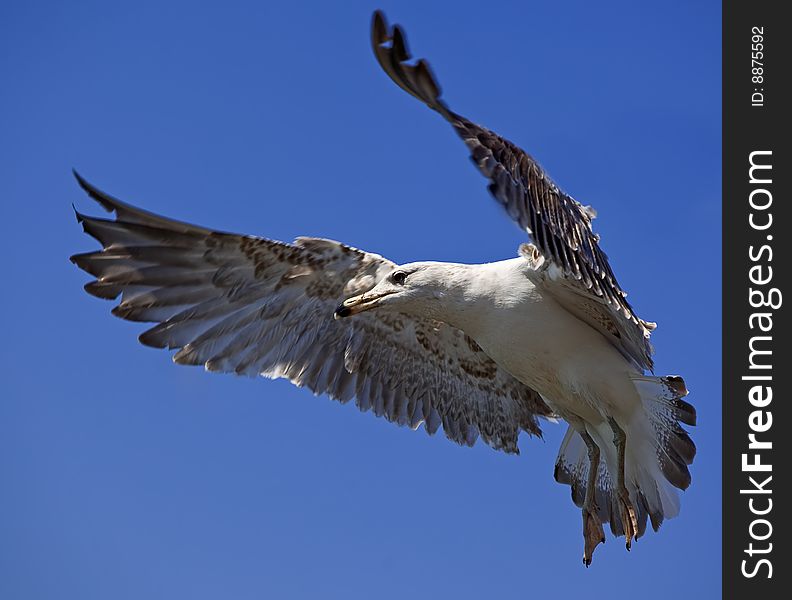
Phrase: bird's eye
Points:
(399, 277)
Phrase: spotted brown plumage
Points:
(568, 265)
(559, 225)
(482, 350)
(253, 306)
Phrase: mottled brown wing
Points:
(253, 306)
(559, 226)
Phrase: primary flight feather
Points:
(482, 351)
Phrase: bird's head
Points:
(414, 288)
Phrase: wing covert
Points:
(559, 225)
(253, 306)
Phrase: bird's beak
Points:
(357, 304)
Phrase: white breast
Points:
(530, 335)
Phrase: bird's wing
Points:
(253, 306)
(631, 339)
(559, 225)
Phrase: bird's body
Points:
(536, 340)
(577, 372)
(484, 351)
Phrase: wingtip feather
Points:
(77, 213)
(392, 52)
(107, 201)
(379, 27)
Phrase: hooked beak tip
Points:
(357, 304)
(342, 311)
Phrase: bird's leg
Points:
(626, 509)
(592, 526)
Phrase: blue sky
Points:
(124, 476)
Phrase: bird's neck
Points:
(474, 294)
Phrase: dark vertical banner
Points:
(757, 260)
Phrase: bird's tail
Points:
(658, 453)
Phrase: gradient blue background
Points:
(124, 476)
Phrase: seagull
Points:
(482, 350)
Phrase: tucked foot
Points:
(592, 534)
(629, 518)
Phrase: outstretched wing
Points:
(558, 224)
(253, 306)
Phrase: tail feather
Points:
(662, 398)
(658, 453)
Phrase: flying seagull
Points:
(483, 350)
